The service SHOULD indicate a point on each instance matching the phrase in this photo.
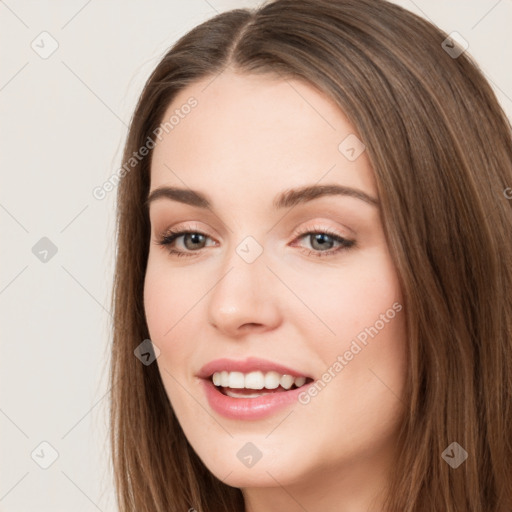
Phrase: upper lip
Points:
(251, 364)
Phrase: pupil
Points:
(321, 239)
(195, 237)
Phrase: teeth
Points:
(287, 381)
(272, 380)
(256, 380)
(236, 380)
(300, 381)
(234, 394)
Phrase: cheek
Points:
(363, 307)
(165, 305)
(168, 295)
(376, 318)
(350, 298)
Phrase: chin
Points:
(269, 466)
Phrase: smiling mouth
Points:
(255, 384)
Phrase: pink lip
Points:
(248, 408)
(248, 365)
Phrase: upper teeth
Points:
(256, 380)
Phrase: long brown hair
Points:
(441, 150)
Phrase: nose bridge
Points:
(241, 295)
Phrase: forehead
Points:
(245, 130)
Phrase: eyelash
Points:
(345, 244)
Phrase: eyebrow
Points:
(286, 199)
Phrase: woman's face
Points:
(270, 278)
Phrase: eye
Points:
(321, 240)
(195, 237)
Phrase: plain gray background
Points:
(64, 118)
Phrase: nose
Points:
(245, 298)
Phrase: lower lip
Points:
(249, 408)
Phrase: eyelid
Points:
(194, 226)
(317, 228)
(191, 226)
(184, 227)
(345, 243)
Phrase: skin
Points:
(249, 138)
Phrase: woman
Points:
(341, 336)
